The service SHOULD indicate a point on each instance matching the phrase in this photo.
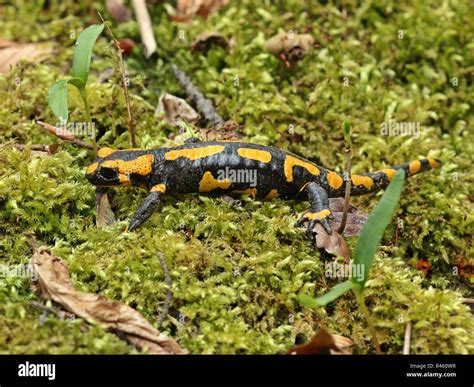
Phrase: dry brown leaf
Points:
(187, 9)
(118, 10)
(105, 216)
(11, 53)
(333, 244)
(355, 218)
(322, 342)
(53, 282)
(176, 110)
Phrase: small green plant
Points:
(364, 254)
(57, 96)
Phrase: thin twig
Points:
(468, 300)
(64, 135)
(347, 195)
(166, 306)
(131, 126)
(203, 104)
(36, 147)
(407, 340)
(45, 308)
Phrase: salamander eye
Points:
(108, 173)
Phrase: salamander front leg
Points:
(149, 205)
(319, 212)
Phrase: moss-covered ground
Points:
(236, 281)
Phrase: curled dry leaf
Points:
(11, 53)
(186, 10)
(53, 282)
(333, 244)
(205, 40)
(118, 10)
(176, 110)
(324, 342)
(355, 218)
(105, 216)
(293, 46)
(228, 130)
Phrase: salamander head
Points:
(113, 168)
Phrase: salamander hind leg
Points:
(319, 211)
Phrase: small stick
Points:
(45, 308)
(468, 300)
(406, 342)
(64, 135)
(145, 26)
(35, 147)
(131, 127)
(203, 104)
(347, 195)
(166, 306)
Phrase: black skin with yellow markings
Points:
(227, 167)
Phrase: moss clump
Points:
(236, 279)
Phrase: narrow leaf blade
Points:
(375, 226)
(57, 100)
(336, 292)
(83, 51)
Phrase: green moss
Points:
(235, 281)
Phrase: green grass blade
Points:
(347, 133)
(83, 52)
(375, 226)
(330, 296)
(57, 100)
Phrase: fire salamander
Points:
(235, 168)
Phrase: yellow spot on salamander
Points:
(142, 165)
(159, 188)
(250, 191)
(366, 181)
(209, 183)
(291, 161)
(91, 168)
(434, 163)
(104, 152)
(389, 172)
(335, 181)
(317, 215)
(124, 179)
(255, 154)
(194, 153)
(273, 194)
(415, 167)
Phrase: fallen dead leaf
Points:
(11, 53)
(105, 216)
(118, 10)
(205, 40)
(290, 47)
(176, 110)
(333, 244)
(355, 218)
(323, 342)
(53, 282)
(186, 10)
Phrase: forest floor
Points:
(236, 279)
